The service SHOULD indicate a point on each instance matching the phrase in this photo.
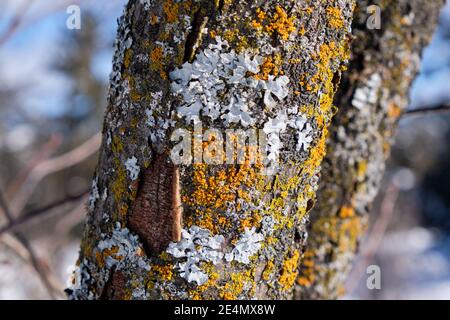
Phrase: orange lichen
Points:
(268, 270)
(153, 19)
(164, 271)
(308, 270)
(171, 10)
(346, 212)
(289, 271)
(156, 56)
(270, 66)
(127, 58)
(101, 256)
(233, 288)
(335, 19)
(260, 16)
(281, 24)
(212, 193)
(394, 111)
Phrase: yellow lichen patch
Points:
(344, 229)
(362, 169)
(289, 272)
(278, 24)
(350, 231)
(233, 288)
(257, 22)
(117, 145)
(153, 19)
(213, 276)
(346, 212)
(233, 36)
(308, 10)
(127, 58)
(101, 256)
(316, 155)
(335, 19)
(302, 31)
(214, 190)
(119, 185)
(249, 223)
(212, 193)
(171, 10)
(323, 81)
(270, 66)
(120, 190)
(164, 271)
(394, 111)
(281, 24)
(308, 270)
(268, 270)
(156, 57)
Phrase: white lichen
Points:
(158, 124)
(217, 85)
(246, 247)
(79, 282)
(120, 251)
(132, 168)
(146, 3)
(196, 245)
(304, 132)
(368, 94)
(94, 195)
(273, 128)
(128, 251)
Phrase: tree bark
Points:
(160, 230)
(372, 97)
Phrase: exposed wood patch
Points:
(156, 212)
(115, 287)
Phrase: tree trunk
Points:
(193, 229)
(372, 97)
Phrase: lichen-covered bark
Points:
(373, 95)
(160, 230)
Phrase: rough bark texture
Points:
(373, 95)
(272, 65)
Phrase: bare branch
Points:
(53, 165)
(33, 259)
(421, 111)
(374, 239)
(42, 154)
(32, 215)
(16, 21)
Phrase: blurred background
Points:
(53, 85)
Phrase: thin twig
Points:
(427, 110)
(49, 166)
(375, 238)
(18, 22)
(69, 220)
(30, 216)
(15, 22)
(42, 154)
(33, 259)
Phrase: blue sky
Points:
(25, 58)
